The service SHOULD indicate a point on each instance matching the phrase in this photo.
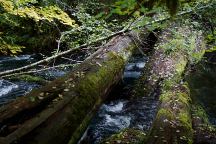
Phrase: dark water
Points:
(203, 86)
(11, 89)
(14, 62)
(120, 112)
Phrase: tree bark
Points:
(61, 110)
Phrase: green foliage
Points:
(211, 38)
(140, 7)
(124, 7)
(23, 25)
(37, 24)
(90, 28)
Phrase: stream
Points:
(10, 89)
(119, 111)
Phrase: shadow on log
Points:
(60, 111)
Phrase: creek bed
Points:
(119, 111)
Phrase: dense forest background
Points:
(44, 25)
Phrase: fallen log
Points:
(60, 111)
(164, 74)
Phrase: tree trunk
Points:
(61, 110)
(164, 74)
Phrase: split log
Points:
(60, 111)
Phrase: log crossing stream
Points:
(116, 114)
(119, 111)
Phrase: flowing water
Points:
(120, 112)
(11, 89)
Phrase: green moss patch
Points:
(30, 78)
(126, 136)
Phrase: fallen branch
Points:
(124, 30)
(40, 70)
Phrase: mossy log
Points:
(60, 111)
(164, 74)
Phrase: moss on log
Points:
(61, 110)
(173, 122)
(178, 46)
(175, 48)
(126, 136)
(29, 78)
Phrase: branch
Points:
(61, 54)
(35, 71)
(124, 30)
